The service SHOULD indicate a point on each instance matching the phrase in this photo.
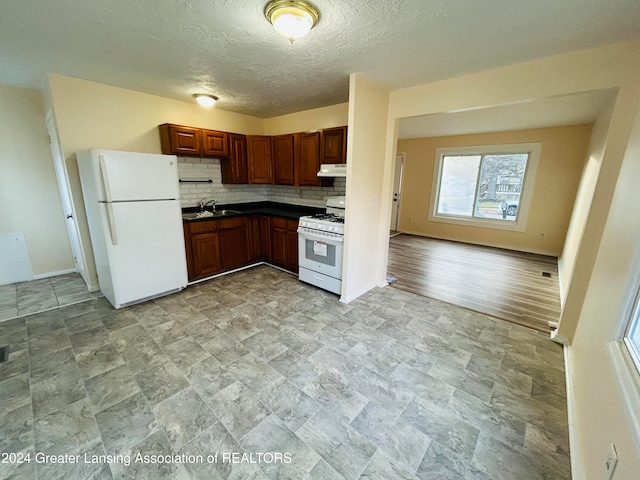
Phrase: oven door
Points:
(320, 253)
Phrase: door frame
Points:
(398, 169)
(66, 198)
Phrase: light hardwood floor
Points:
(501, 283)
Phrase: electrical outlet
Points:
(612, 461)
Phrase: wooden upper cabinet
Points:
(234, 168)
(334, 145)
(283, 160)
(307, 158)
(179, 140)
(215, 144)
(259, 159)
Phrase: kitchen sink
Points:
(208, 214)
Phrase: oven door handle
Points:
(321, 238)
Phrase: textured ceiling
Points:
(174, 48)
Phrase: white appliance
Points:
(333, 170)
(135, 222)
(320, 246)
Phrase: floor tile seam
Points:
(86, 397)
(364, 469)
(9, 303)
(535, 411)
(521, 449)
(94, 412)
(36, 313)
(238, 440)
(450, 409)
(213, 414)
(446, 408)
(320, 454)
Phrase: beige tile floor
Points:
(390, 386)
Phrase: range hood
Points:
(333, 170)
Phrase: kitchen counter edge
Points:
(274, 209)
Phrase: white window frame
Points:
(626, 369)
(526, 193)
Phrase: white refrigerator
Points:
(132, 202)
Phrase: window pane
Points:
(501, 178)
(458, 184)
(633, 336)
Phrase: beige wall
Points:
(29, 197)
(613, 66)
(368, 107)
(582, 205)
(318, 118)
(561, 160)
(603, 420)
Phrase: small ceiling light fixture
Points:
(292, 19)
(205, 99)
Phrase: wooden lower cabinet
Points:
(205, 249)
(279, 247)
(220, 245)
(265, 232)
(234, 251)
(254, 238)
(284, 243)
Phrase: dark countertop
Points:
(273, 209)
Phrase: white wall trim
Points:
(561, 285)
(572, 414)
(628, 382)
(54, 274)
(352, 296)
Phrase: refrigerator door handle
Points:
(109, 199)
(105, 179)
(112, 224)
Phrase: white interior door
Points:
(397, 191)
(65, 197)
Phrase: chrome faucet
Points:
(203, 204)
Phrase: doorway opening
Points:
(397, 195)
(66, 198)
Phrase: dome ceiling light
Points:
(292, 19)
(205, 99)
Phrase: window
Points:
(624, 352)
(484, 186)
(632, 334)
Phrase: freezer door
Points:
(138, 176)
(149, 256)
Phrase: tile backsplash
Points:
(209, 168)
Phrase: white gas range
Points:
(320, 245)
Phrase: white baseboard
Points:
(352, 296)
(574, 445)
(54, 274)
